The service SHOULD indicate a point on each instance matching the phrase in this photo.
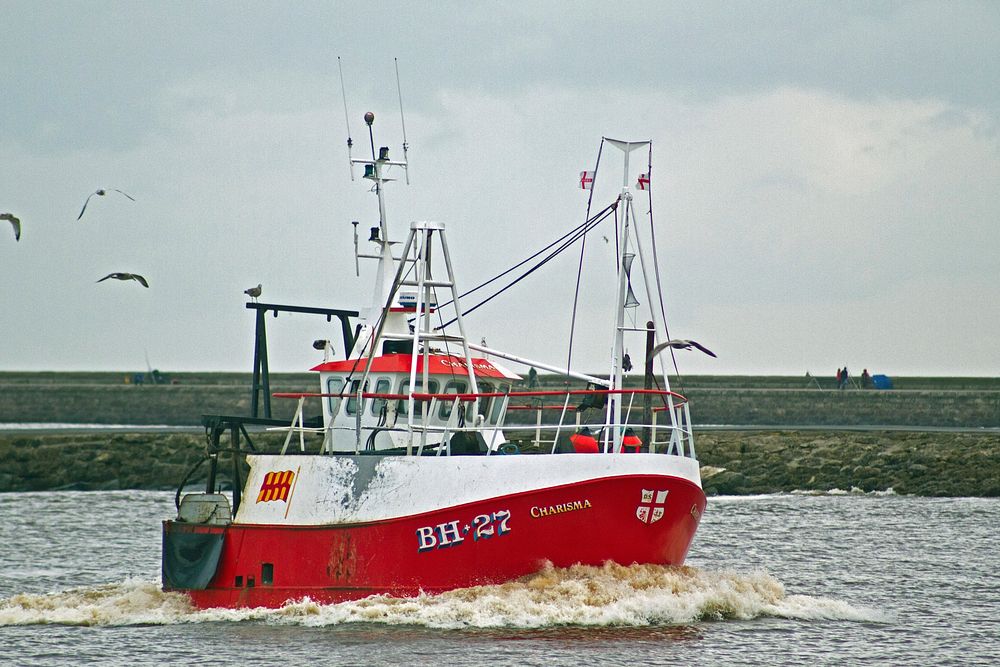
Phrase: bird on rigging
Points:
(253, 292)
(101, 193)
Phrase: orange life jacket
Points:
(584, 444)
(631, 444)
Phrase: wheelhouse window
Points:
(418, 406)
(497, 405)
(483, 405)
(334, 385)
(382, 386)
(452, 387)
(352, 401)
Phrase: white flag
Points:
(587, 180)
(643, 183)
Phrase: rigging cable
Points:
(656, 265)
(579, 268)
(571, 232)
(579, 233)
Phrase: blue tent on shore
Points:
(882, 382)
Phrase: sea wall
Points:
(77, 401)
(105, 398)
(787, 458)
(733, 462)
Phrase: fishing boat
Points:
(435, 465)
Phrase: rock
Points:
(727, 483)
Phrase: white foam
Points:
(855, 491)
(131, 602)
(611, 595)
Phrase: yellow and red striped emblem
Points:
(276, 486)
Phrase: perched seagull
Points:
(100, 193)
(14, 220)
(253, 292)
(126, 276)
(680, 345)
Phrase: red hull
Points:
(485, 542)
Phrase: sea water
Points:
(829, 579)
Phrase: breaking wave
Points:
(611, 595)
(854, 491)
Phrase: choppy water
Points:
(777, 580)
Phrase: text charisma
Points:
(548, 510)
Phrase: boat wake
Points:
(611, 595)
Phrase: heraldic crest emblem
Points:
(652, 506)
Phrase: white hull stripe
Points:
(354, 489)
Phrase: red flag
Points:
(587, 180)
(643, 183)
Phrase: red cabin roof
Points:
(440, 364)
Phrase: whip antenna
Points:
(399, 91)
(347, 119)
(357, 268)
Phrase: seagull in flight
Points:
(253, 292)
(126, 276)
(15, 221)
(679, 344)
(101, 193)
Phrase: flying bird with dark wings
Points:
(101, 193)
(679, 344)
(126, 276)
(15, 221)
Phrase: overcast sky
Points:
(825, 174)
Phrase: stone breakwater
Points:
(103, 398)
(733, 462)
(916, 463)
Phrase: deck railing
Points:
(673, 435)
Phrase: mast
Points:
(375, 169)
(384, 292)
(614, 413)
(391, 275)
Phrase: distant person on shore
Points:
(866, 379)
(532, 378)
(840, 377)
(844, 378)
